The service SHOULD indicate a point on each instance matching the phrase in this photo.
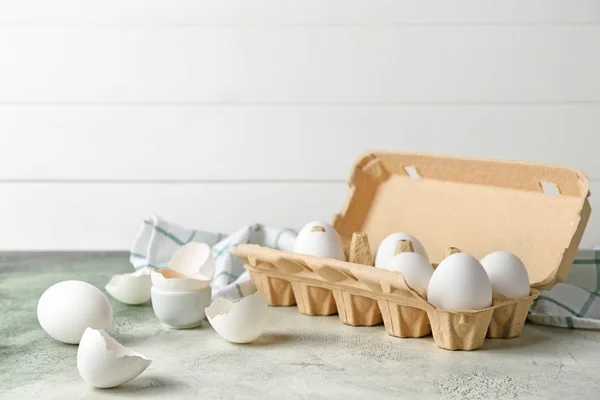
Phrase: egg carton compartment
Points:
(278, 292)
(509, 316)
(314, 300)
(404, 311)
(478, 205)
(357, 310)
(404, 321)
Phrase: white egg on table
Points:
(320, 239)
(387, 248)
(414, 267)
(459, 283)
(67, 308)
(507, 274)
(103, 362)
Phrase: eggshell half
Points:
(459, 283)
(240, 322)
(67, 308)
(180, 310)
(168, 280)
(416, 269)
(193, 259)
(320, 239)
(131, 288)
(387, 248)
(507, 274)
(103, 362)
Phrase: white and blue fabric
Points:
(158, 240)
(576, 302)
(572, 304)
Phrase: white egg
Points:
(103, 362)
(240, 322)
(131, 288)
(67, 308)
(459, 283)
(416, 269)
(507, 274)
(387, 248)
(320, 239)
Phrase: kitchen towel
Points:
(158, 239)
(571, 304)
(576, 302)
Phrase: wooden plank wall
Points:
(221, 113)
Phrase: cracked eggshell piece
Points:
(240, 322)
(168, 280)
(131, 288)
(193, 259)
(103, 362)
(387, 248)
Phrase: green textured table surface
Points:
(298, 356)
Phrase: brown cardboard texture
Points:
(278, 291)
(479, 206)
(358, 310)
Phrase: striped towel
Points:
(158, 240)
(576, 302)
(572, 304)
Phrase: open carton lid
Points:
(536, 211)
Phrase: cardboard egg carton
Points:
(535, 211)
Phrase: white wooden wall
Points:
(225, 112)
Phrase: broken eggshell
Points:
(103, 362)
(131, 288)
(191, 268)
(193, 259)
(168, 280)
(240, 322)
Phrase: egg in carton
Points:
(479, 205)
(366, 298)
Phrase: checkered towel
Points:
(572, 304)
(158, 240)
(576, 302)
